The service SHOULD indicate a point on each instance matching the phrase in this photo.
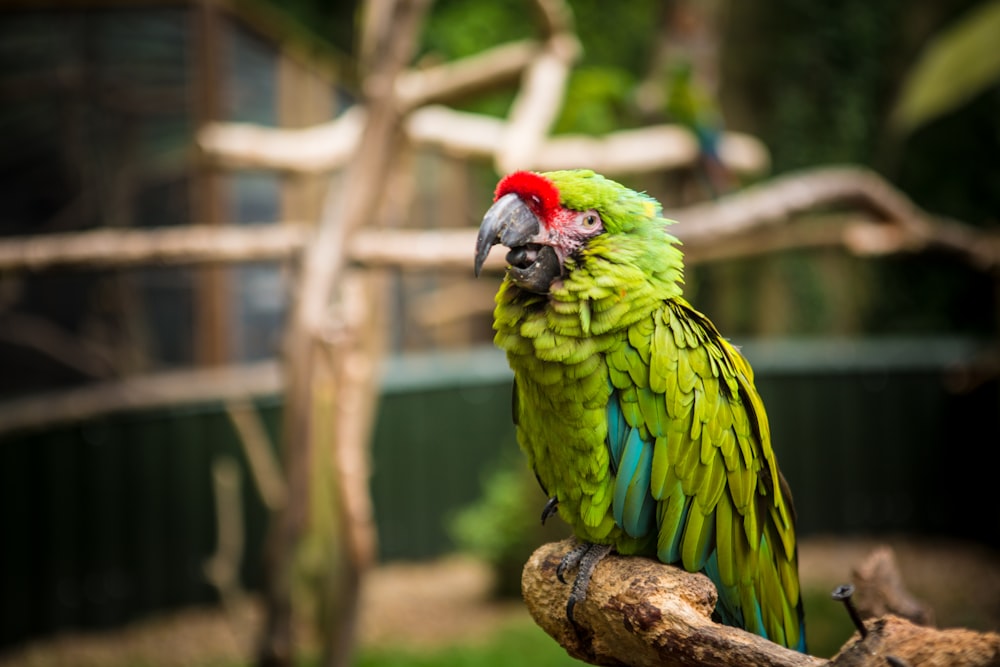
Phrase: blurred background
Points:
(141, 402)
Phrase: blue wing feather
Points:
(618, 431)
(633, 505)
(672, 513)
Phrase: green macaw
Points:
(640, 421)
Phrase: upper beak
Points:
(510, 222)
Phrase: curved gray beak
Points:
(509, 222)
(531, 265)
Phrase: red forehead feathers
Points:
(538, 192)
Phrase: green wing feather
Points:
(722, 506)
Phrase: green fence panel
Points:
(114, 518)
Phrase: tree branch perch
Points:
(642, 613)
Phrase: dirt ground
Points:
(430, 604)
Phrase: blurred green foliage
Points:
(320, 26)
(828, 627)
(824, 89)
(815, 92)
(597, 101)
(488, 527)
(503, 526)
(960, 62)
(822, 92)
(458, 28)
(599, 92)
(516, 644)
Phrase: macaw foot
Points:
(551, 506)
(584, 557)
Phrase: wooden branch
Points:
(63, 347)
(777, 200)
(652, 148)
(259, 452)
(113, 247)
(744, 154)
(556, 17)
(308, 150)
(315, 380)
(978, 247)
(900, 225)
(639, 612)
(166, 389)
(456, 133)
(748, 222)
(660, 147)
(440, 249)
(110, 248)
(329, 146)
(910, 645)
(537, 104)
(810, 232)
(375, 22)
(880, 590)
(463, 78)
(355, 350)
(222, 568)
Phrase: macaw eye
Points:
(591, 219)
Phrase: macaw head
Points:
(548, 218)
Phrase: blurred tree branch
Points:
(331, 346)
(873, 217)
(115, 247)
(329, 146)
(163, 389)
(72, 351)
(864, 214)
(881, 591)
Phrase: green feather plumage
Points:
(614, 334)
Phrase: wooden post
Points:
(211, 309)
(326, 371)
(303, 99)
